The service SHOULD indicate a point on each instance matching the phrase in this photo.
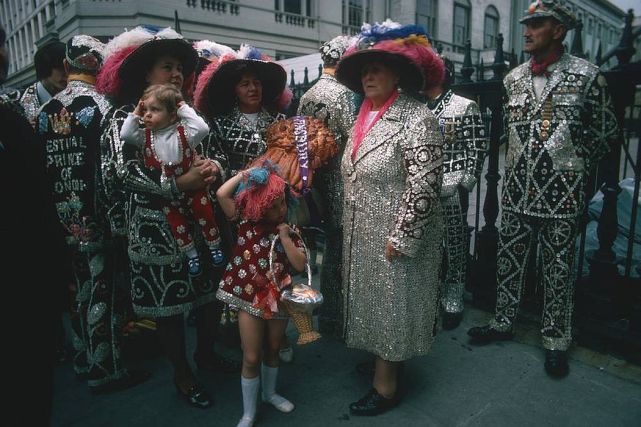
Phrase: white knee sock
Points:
(268, 377)
(250, 398)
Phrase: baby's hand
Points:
(181, 103)
(140, 109)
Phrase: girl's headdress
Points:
(259, 190)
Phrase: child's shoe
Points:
(194, 266)
(217, 257)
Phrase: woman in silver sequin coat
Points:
(392, 221)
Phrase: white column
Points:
(14, 53)
(34, 34)
(40, 23)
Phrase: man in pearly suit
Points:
(464, 152)
(559, 120)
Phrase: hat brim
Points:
(545, 14)
(140, 61)
(350, 67)
(220, 88)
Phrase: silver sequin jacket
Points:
(465, 141)
(554, 141)
(334, 104)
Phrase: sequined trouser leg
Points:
(456, 252)
(97, 327)
(331, 311)
(556, 236)
(330, 316)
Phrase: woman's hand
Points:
(202, 173)
(391, 252)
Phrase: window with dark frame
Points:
(491, 27)
(462, 11)
(427, 15)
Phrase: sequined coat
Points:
(336, 105)
(72, 123)
(234, 141)
(392, 192)
(160, 282)
(465, 141)
(30, 102)
(556, 140)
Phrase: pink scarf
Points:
(360, 130)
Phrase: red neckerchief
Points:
(540, 68)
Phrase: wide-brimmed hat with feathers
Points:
(209, 51)
(404, 48)
(215, 88)
(130, 55)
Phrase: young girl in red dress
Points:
(258, 197)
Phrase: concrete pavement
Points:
(500, 384)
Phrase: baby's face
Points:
(155, 114)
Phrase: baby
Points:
(172, 130)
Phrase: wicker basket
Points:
(302, 318)
(304, 326)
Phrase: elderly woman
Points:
(160, 283)
(392, 221)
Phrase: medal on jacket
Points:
(546, 120)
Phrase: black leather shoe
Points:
(196, 396)
(451, 320)
(556, 363)
(372, 403)
(217, 363)
(131, 379)
(485, 334)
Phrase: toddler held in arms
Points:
(172, 130)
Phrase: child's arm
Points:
(130, 131)
(225, 195)
(197, 128)
(295, 255)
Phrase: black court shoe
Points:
(196, 396)
(485, 334)
(556, 363)
(451, 320)
(372, 404)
